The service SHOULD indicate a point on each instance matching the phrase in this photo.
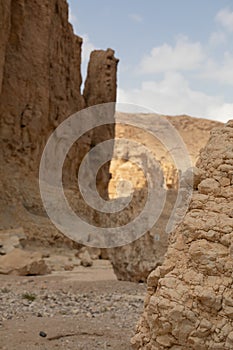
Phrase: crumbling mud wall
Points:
(189, 301)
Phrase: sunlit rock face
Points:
(134, 262)
(189, 301)
(194, 132)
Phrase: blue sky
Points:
(176, 57)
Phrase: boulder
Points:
(23, 263)
(85, 257)
(11, 239)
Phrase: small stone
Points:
(68, 267)
(43, 334)
(2, 251)
(86, 260)
(46, 255)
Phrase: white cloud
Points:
(217, 38)
(136, 17)
(220, 72)
(222, 112)
(87, 48)
(185, 55)
(225, 18)
(173, 96)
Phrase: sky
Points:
(176, 57)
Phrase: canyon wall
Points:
(100, 87)
(189, 301)
(40, 79)
(40, 86)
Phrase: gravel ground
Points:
(76, 310)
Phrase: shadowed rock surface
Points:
(133, 262)
(40, 81)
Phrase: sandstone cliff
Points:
(189, 300)
(100, 87)
(40, 80)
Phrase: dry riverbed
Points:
(86, 308)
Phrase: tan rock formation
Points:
(100, 87)
(194, 132)
(40, 80)
(22, 263)
(189, 298)
(135, 261)
(41, 77)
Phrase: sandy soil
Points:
(86, 308)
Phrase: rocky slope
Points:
(189, 299)
(40, 80)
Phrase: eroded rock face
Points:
(194, 132)
(100, 87)
(189, 302)
(40, 80)
(41, 77)
(133, 262)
